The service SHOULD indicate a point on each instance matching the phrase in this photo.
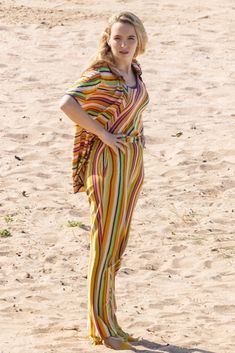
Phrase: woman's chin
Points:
(123, 58)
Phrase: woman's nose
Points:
(123, 44)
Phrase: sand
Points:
(177, 282)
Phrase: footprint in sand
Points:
(183, 262)
(178, 248)
(225, 309)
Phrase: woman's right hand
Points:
(113, 140)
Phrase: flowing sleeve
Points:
(85, 86)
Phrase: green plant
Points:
(8, 218)
(77, 224)
(4, 233)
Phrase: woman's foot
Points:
(126, 336)
(116, 343)
(132, 338)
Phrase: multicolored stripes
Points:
(112, 183)
(104, 95)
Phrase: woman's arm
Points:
(80, 117)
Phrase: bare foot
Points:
(116, 343)
(132, 338)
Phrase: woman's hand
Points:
(77, 114)
(113, 141)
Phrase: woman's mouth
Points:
(124, 52)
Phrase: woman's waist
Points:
(131, 138)
(139, 138)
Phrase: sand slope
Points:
(176, 286)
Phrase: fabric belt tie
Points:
(130, 138)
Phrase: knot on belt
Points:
(132, 138)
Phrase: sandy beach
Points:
(177, 282)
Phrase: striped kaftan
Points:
(112, 183)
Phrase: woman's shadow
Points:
(153, 347)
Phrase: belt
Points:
(132, 138)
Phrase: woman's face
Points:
(123, 41)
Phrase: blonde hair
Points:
(104, 54)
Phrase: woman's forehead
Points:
(122, 29)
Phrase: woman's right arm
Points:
(80, 117)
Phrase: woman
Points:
(106, 104)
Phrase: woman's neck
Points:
(124, 68)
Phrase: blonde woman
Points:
(106, 105)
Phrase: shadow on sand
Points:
(152, 347)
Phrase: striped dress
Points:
(111, 181)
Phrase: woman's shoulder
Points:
(96, 69)
(106, 71)
(90, 72)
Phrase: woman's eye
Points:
(118, 38)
